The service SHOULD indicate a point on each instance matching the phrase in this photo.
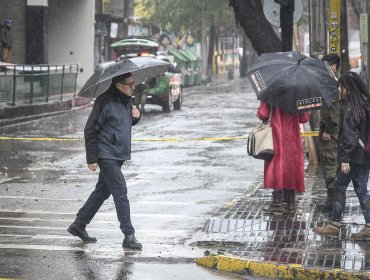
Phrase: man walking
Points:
(108, 145)
(328, 139)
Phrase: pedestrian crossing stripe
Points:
(233, 138)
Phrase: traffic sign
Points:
(271, 9)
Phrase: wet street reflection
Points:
(180, 174)
(288, 239)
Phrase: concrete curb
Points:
(17, 114)
(275, 271)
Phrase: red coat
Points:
(286, 169)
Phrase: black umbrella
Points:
(293, 81)
(142, 69)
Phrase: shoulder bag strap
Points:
(270, 116)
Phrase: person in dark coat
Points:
(108, 145)
(353, 165)
(6, 40)
(328, 138)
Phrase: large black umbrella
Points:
(293, 81)
(142, 69)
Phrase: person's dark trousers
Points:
(359, 176)
(111, 181)
(329, 165)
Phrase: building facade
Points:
(52, 32)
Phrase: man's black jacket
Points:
(108, 128)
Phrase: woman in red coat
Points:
(284, 174)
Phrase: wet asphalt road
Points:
(178, 176)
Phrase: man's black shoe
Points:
(80, 232)
(131, 242)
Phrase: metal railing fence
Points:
(30, 83)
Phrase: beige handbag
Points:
(260, 144)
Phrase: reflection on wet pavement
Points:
(174, 188)
(243, 229)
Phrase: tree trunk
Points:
(249, 14)
(204, 48)
(211, 50)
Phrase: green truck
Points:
(166, 90)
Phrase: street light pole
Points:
(344, 56)
(286, 23)
(317, 29)
(126, 15)
(364, 38)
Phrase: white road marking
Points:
(151, 248)
(38, 198)
(134, 201)
(3, 180)
(73, 215)
(97, 229)
(41, 247)
(24, 211)
(38, 236)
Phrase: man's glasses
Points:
(132, 84)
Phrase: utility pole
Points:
(317, 30)
(344, 55)
(334, 27)
(338, 34)
(286, 23)
(364, 38)
(126, 15)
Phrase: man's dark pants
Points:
(111, 181)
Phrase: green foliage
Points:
(180, 15)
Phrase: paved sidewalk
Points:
(241, 238)
(22, 112)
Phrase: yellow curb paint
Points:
(275, 270)
(232, 264)
(289, 271)
(209, 261)
(263, 269)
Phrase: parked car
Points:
(166, 90)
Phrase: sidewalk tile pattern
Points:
(244, 230)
